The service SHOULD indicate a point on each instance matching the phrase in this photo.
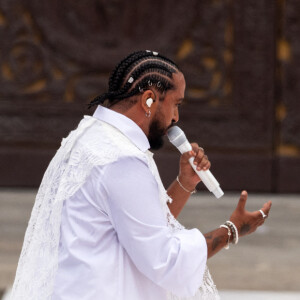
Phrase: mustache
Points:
(171, 125)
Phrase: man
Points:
(103, 226)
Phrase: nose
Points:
(175, 116)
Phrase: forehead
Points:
(179, 84)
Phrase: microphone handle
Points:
(206, 176)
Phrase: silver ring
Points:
(263, 214)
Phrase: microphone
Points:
(179, 140)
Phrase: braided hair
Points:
(135, 73)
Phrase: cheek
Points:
(165, 114)
(168, 116)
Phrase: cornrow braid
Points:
(116, 77)
(137, 72)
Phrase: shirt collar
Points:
(128, 127)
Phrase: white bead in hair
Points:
(155, 53)
(130, 80)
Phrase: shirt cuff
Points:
(190, 263)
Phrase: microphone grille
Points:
(176, 136)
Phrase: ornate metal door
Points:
(240, 59)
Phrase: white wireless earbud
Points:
(149, 102)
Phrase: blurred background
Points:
(241, 61)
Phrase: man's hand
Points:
(245, 221)
(187, 175)
(180, 193)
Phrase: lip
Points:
(169, 127)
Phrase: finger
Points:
(203, 162)
(264, 211)
(207, 166)
(258, 215)
(200, 159)
(266, 208)
(195, 147)
(191, 153)
(198, 150)
(188, 154)
(242, 202)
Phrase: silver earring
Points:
(148, 114)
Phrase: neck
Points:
(136, 115)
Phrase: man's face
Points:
(167, 113)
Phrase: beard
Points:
(156, 133)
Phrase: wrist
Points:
(232, 233)
(184, 187)
(186, 183)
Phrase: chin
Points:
(156, 144)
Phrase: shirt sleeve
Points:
(174, 261)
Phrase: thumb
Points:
(187, 155)
(242, 202)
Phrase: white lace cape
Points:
(66, 173)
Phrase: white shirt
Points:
(115, 243)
